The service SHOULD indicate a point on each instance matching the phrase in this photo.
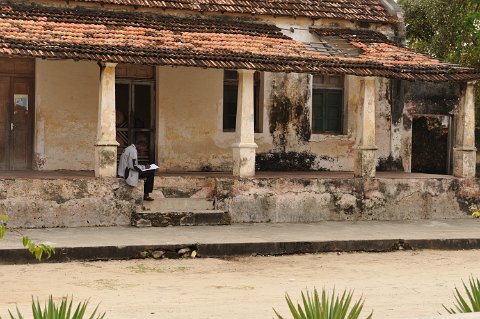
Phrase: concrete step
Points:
(184, 187)
(178, 204)
(181, 218)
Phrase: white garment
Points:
(128, 159)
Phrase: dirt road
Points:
(396, 285)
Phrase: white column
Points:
(365, 149)
(106, 143)
(464, 151)
(244, 146)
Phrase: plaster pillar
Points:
(365, 149)
(244, 146)
(464, 151)
(106, 143)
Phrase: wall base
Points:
(38, 203)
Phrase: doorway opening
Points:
(431, 144)
(135, 109)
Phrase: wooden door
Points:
(4, 123)
(16, 122)
(22, 123)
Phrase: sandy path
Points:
(396, 285)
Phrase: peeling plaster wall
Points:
(311, 200)
(288, 103)
(421, 98)
(190, 133)
(189, 123)
(188, 104)
(300, 199)
(66, 114)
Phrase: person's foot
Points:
(147, 198)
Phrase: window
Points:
(327, 104)
(230, 93)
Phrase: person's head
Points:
(141, 146)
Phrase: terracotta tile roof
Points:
(376, 47)
(155, 39)
(354, 10)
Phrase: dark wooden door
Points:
(16, 122)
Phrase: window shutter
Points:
(333, 111)
(327, 108)
(318, 111)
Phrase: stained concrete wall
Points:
(190, 135)
(189, 105)
(302, 199)
(38, 203)
(66, 114)
(86, 201)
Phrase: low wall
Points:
(310, 200)
(35, 203)
(85, 201)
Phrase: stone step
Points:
(178, 204)
(181, 218)
(184, 187)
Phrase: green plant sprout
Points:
(61, 311)
(325, 307)
(472, 296)
(37, 250)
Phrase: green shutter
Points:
(327, 111)
(318, 111)
(333, 111)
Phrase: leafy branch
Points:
(37, 250)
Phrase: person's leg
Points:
(148, 186)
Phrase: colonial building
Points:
(227, 86)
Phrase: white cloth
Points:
(128, 159)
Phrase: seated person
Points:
(129, 169)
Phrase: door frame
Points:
(450, 138)
(31, 121)
(153, 112)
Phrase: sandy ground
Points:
(396, 285)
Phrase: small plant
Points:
(3, 225)
(326, 307)
(62, 311)
(38, 249)
(35, 249)
(473, 297)
(475, 210)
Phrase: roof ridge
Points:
(352, 10)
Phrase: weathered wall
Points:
(421, 98)
(188, 104)
(190, 135)
(311, 200)
(66, 114)
(351, 199)
(37, 203)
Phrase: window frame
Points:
(342, 132)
